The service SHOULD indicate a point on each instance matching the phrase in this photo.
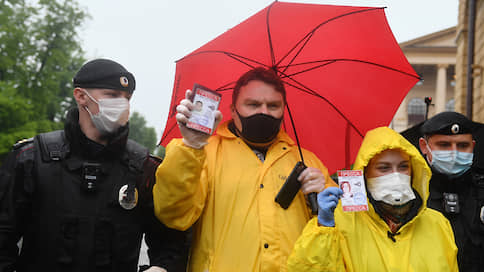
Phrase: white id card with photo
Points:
(206, 102)
(352, 183)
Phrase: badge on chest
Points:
(128, 200)
(482, 214)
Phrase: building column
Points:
(400, 120)
(441, 88)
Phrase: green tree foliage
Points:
(39, 54)
(139, 132)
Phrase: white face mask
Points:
(393, 189)
(112, 114)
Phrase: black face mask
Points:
(259, 128)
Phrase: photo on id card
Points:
(206, 102)
(352, 183)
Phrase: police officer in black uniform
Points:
(81, 198)
(456, 187)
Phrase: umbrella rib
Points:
(310, 91)
(306, 89)
(295, 133)
(269, 36)
(225, 87)
(309, 35)
(168, 133)
(327, 62)
(297, 54)
(229, 54)
(331, 61)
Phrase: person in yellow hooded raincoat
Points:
(397, 233)
(225, 185)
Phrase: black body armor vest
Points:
(76, 209)
(465, 219)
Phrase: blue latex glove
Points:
(327, 201)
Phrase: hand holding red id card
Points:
(206, 103)
(352, 183)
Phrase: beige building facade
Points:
(476, 71)
(433, 57)
(442, 60)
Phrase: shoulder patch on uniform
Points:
(156, 158)
(23, 142)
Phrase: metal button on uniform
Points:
(262, 186)
(266, 245)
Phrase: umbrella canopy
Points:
(343, 70)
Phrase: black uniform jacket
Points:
(67, 208)
(466, 223)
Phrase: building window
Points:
(450, 105)
(416, 111)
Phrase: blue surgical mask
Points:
(451, 162)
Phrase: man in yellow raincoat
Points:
(397, 233)
(225, 185)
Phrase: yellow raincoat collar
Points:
(383, 138)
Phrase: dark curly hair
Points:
(259, 73)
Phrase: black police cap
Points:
(447, 123)
(104, 74)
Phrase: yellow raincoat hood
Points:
(363, 241)
(383, 138)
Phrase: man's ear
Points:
(422, 144)
(473, 144)
(80, 96)
(232, 111)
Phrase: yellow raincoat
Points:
(228, 194)
(360, 240)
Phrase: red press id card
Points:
(206, 102)
(352, 183)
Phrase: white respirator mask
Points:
(393, 189)
(112, 114)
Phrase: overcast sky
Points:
(148, 36)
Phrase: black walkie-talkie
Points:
(91, 173)
(291, 187)
(451, 203)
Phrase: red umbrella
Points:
(343, 69)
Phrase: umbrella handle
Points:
(313, 202)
